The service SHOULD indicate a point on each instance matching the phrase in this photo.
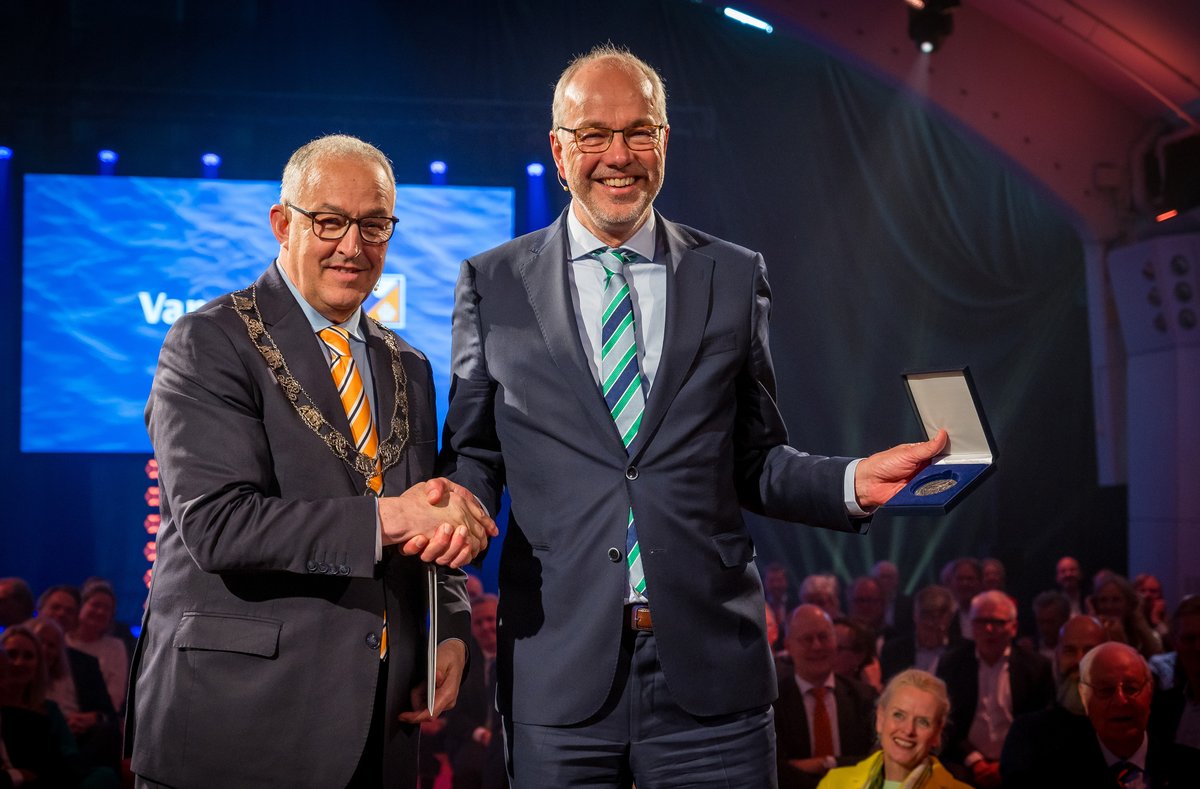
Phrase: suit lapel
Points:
(544, 275)
(689, 295)
(294, 337)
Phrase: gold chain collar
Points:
(245, 303)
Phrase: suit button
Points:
(343, 569)
(312, 565)
(322, 567)
(631, 473)
(614, 555)
(373, 640)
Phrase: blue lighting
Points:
(107, 157)
(210, 160)
(437, 168)
(5, 152)
(535, 170)
(746, 19)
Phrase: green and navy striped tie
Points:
(621, 378)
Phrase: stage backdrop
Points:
(893, 239)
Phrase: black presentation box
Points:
(946, 398)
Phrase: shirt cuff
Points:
(852, 508)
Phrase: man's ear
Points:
(280, 222)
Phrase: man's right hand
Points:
(442, 522)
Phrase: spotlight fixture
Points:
(930, 22)
(5, 152)
(535, 170)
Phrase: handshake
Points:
(442, 522)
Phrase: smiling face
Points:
(612, 192)
(335, 277)
(908, 729)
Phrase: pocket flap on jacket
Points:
(228, 633)
(735, 549)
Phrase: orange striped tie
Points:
(354, 397)
(358, 410)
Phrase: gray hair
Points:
(300, 167)
(623, 59)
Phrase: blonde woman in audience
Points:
(908, 721)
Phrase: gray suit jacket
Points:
(526, 412)
(259, 654)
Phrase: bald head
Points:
(1080, 635)
(812, 643)
(1114, 682)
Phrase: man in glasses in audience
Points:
(990, 681)
(283, 638)
(614, 372)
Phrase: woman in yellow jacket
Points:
(908, 722)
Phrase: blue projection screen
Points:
(111, 262)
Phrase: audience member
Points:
(856, 657)
(821, 719)
(1031, 747)
(35, 733)
(823, 591)
(866, 605)
(16, 602)
(933, 610)
(908, 724)
(1176, 706)
(1116, 688)
(966, 581)
(780, 597)
(773, 631)
(990, 681)
(1069, 579)
(897, 607)
(60, 603)
(1051, 610)
(474, 587)
(993, 575)
(76, 685)
(474, 741)
(91, 635)
(10, 776)
(1117, 605)
(1154, 605)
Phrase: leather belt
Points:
(637, 617)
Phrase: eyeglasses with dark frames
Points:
(597, 139)
(332, 226)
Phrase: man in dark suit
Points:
(849, 706)
(990, 681)
(928, 638)
(632, 638)
(1032, 749)
(473, 733)
(282, 640)
(1114, 751)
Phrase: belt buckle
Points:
(639, 617)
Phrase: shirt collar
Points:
(805, 686)
(352, 325)
(583, 243)
(1138, 759)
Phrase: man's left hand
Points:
(451, 661)
(884, 474)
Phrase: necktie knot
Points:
(615, 258)
(1126, 773)
(336, 339)
(818, 693)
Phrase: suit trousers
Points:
(641, 735)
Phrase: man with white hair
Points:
(990, 681)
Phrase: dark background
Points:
(894, 240)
